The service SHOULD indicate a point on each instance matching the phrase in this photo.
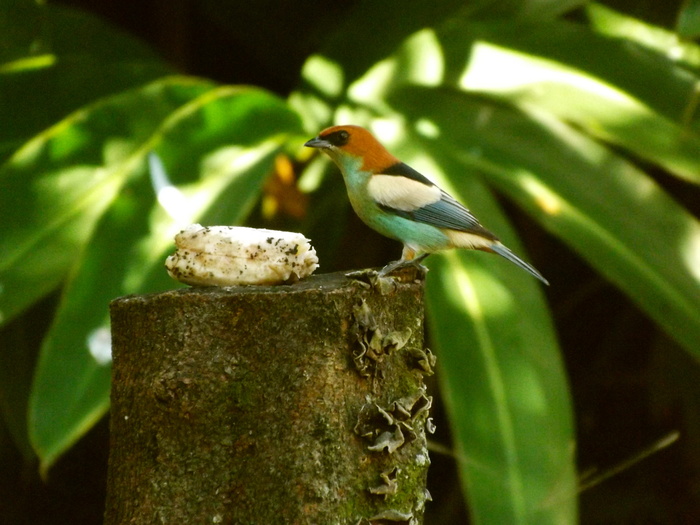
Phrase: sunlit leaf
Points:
(505, 390)
(637, 71)
(327, 75)
(601, 109)
(501, 373)
(54, 189)
(218, 147)
(370, 19)
(618, 25)
(615, 216)
(556, 67)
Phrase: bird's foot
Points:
(404, 263)
(372, 279)
(384, 282)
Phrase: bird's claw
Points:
(384, 281)
(373, 279)
(401, 263)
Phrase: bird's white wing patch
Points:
(402, 193)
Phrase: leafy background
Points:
(570, 128)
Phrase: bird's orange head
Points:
(339, 141)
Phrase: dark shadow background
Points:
(631, 384)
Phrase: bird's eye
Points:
(338, 138)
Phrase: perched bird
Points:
(400, 203)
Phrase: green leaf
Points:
(501, 373)
(327, 75)
(505, 391)
(602, 110)
(218, 146)
(639, 72)
(19, 343)
(55, 188)
(54, 60)
(369, 19)
(602, 85)
(667, 43)
(688, 25)
(610, 212)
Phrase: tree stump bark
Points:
(300, 404)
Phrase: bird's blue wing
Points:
(448, 213)
(444, 213)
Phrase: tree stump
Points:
(296, 404)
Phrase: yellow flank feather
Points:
(468, 240)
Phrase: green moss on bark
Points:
(289, 404)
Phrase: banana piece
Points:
(234, 255)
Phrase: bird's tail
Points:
(504, 252)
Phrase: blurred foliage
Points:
(567, 110)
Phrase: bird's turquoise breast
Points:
(420, 236)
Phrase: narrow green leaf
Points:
(54, 189)
(618, 25)
(54, 60)
(217, 147)
(639, 72)
(554, 67)
(327, 75)
(505, 390)
(501, 372)
(370, 19)
(614, 215)
(602, 110)
(688, 25)
(602, 85)
(18, 348)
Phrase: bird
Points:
(400, 203)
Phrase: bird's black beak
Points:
(318, 143)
